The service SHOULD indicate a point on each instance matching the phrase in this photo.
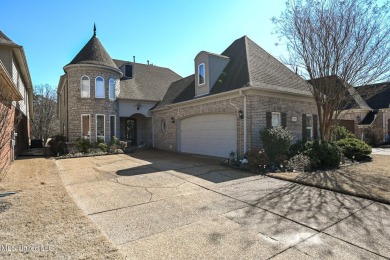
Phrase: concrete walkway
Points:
(160, 205)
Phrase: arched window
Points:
(99, 87)
(201, 74)
(111, 91)
(84, 86)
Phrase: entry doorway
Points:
(130, 130)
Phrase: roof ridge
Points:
(247, 59)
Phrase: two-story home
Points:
(16, 100)
(231, 97)
(99, 97)
(219, 109)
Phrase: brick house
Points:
(99, 97)
(373, 112)
(222, 107)
(15, 100)
(219, 109)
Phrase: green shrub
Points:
(354, 148)
(276, 142)
(323, 154)
(299, 162)
(340, 132)
(373, 136)
(297, 148)
(256, 158)
(83, 145)
(57, 145)
(103, 147)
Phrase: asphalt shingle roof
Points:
(149, 82)
(249, 65)
(94, 53)
(4, 40)
(377, 96)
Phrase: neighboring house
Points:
(230, 98)
(377, 97)
(99, 97)
(17, 87)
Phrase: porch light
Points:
(173, 120)
(240, 114)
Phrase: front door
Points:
(131, 130)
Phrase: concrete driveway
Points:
(161, 205)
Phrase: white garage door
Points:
(214, 135)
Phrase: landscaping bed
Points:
(370, 180)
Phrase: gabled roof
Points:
(352, 98)
(149, 82)
(377, 96)
(93, 53)
(249, 65)
(4, 40)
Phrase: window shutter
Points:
(284, 120)
(315, 126)
(304, 134)
(268, 119)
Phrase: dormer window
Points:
(128, 71)
(201, 74)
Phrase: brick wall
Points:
(77, 106)
(257, 106)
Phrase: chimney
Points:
(148, 62)
(134, 59)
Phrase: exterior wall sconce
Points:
(173, 120)
(138, 106)
(240, 114)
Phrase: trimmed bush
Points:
(276, 142)
(103, 147)
(297, 148)
(373, 136)
(256, 158)
(299, 163)
(323, 154)
(57, 145)
(83, 145)
(340, 132)
(354, 149)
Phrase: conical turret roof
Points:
(94, 53)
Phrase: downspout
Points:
(152, 130)
(245, 122)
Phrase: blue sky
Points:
(167, 33)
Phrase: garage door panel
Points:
(214, 134)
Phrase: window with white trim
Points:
(100, 127)
(201, 74)
(309, 126)
(111, 88)
(99, 87)
(85, 87)
(112, 126)
(85, 126)
(276, 119)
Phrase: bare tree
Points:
(343, 43)
(45, 122)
